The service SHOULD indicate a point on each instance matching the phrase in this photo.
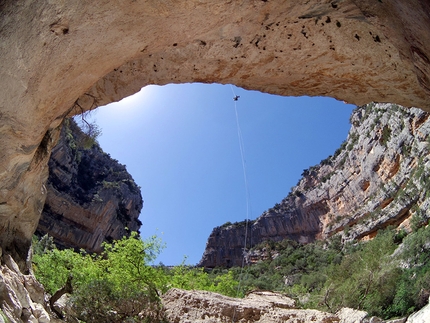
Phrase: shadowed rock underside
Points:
(61, 58)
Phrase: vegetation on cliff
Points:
(378, 177)
(387, 276)
(91, 197)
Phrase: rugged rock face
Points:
(91, 198)
(63, 57)
(196, 306)
(23, 298)
(421, 316)
(378, 177)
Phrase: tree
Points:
(117, 286)
(365, 279)
(120, 284)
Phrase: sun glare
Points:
(128, 108)
(137, 99)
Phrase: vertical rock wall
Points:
(91, 198)
(378, 177)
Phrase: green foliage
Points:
(293, 262)
(386, 134)
(418, 220)
(365, 279)
(340, 149)
(227, 224)
(352, 139)
(120, 285)
(84, 140)
(99, 301)
(128, 259)
(417, 248)
(364, 275)
(327, 161)
(190, 278)
(238, 223)
(327, 177)
(413, 290)
(69, 135)
(53, 267)
(107, 184)
(406, 151)
(42, 246)
(91, 131)
(342, 162)
(110, 287)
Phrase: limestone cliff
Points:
(91, 197)
(62, 57)
(378, 177)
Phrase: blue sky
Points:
(180, 144)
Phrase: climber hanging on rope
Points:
(236, 98)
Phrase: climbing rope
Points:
(248, 206)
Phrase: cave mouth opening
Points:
(180, 144)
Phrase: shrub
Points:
(112, 287)
(365, 279)
(120, 285)
(386, 134)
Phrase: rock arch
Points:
(62, 57)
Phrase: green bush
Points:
(120, 285)
(366, 278)
(363, 275)
(117, 285)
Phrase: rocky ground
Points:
(25, 301)
(262, 307)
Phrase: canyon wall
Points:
(91, 198)
(377, 178)
(64, 57)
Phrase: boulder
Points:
(22, 298)
(350, 315)
(199, 306)
(422, 316)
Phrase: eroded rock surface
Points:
(378, 177)
(23, 298)
(63, 57)
(91, 198)
(199, 306)
(422, 316)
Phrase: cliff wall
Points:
(378, 177)
(65, 57)
(91, 197)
